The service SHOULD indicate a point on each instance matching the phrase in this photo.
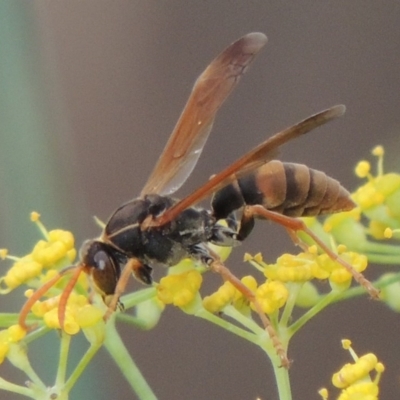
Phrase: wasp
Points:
(159, 229)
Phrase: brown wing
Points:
(190, 134)
(250, 161)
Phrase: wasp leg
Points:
(204, 254)
(132, 266)
(62, 304)
(37, 295)
(293, 225)
(217, 266)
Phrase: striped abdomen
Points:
(287, 188)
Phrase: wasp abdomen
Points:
(290, 189)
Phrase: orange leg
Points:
(62, 305)
(37, 295)
(131, 266)
(293, 225)
(220, 268)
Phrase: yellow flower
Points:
(88, 315)
(52, 321)
(78, 313)
(380, 196)
(351, 373)
(291, 268)
(328, 268)
(60, 245)
(21, 272)
(362, 169)
(355, 378)
(271, 295)
(360, 391)
(227, 294)
(4, 347)
(57, 250)
(13, 334)
(179, 289)
(218, 300)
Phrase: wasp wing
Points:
(250, 161)
(190, 134)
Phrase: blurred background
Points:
(89, 93)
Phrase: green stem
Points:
(36, 334)
(281, 374)
(359, 290)
(383, 248)
(8, 319)
(282, 379)
(84, 361)
(132, 320)
(294, 289)
(115, 346)
(382, 258)
(17, 356)
(11, 387)
(324, 302)
(132, 299)
(63, 360)
(228, 326)
(244, 320)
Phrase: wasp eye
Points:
(101, 260)
(103, 264)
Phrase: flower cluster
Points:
(377, 202)
(354, 379)
(379, 198)
(181, 289)
(42, 265)
(48, 255)
(272, 291)
(79, 313)
(311, 265)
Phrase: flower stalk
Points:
(291, 291)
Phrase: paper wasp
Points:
(157, 229)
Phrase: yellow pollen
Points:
(362, 169)
(379, 367)
(35, 216)
(323, 393)
(258, 258)
(247, 257)
(346, 343)
(388, 233)
(28, 293)
(16, 333)
(313, 249)
(378, 151)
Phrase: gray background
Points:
(114, 77)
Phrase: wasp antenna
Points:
(253, 42)
(337, 111)
(62, 304)
(37, 295)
